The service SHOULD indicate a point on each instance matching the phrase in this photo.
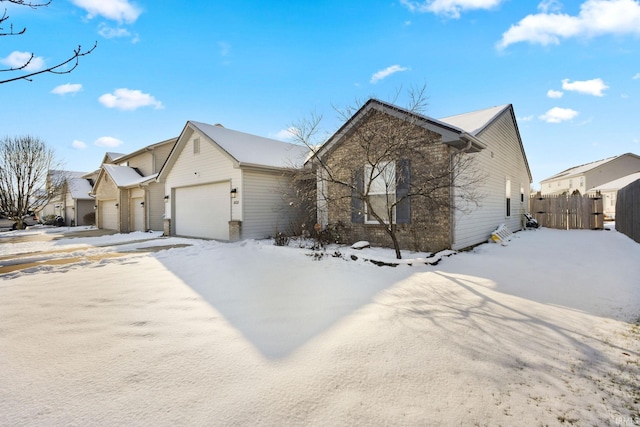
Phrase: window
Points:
(582, 181)
(570, 183)
(382, 190)
(196, 146)
(508, 196)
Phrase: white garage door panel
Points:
(203, 211)
(108, 215)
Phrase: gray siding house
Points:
(489, 137)
(228, 185)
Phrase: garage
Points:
(137, 214)
(203, 211)
(108, 214)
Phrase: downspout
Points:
(452, 206)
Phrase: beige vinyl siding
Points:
(160, 155)
(502, 160)
(143, 162)
(210, 165)
(155, 206)
(266, 204)
(106, 190)
(616, 168)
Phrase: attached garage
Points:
(203, 211)
(108, 214)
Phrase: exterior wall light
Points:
(234, 193)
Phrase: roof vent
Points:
(218, 125)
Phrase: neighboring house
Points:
(127, 195)
(73, 202)
(228, 185)
(609, 192)
(490, 137)
(585, 177)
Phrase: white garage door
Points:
(137, 214)
(108, 214)
(203, 211)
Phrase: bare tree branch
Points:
(64, 67)
(382, 153)
(56, 69)
(25, 184)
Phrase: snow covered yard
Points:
(543, 331)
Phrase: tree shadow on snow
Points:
(280, 298)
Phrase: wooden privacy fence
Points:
(568, 212)
(628, 210)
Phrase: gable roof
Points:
(582, 169)
(476, 121)
(79, 187)
(451, 134)
(124, 176)
(123, 157)
(110, 157)
(252, 149)
(616, 184)
(242, 148)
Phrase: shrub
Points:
(281, 240)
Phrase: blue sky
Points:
(570, 68)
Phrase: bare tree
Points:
(390, 163)
(25, 184)
(64, 67)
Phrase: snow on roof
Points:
(79, 188)
(475, 121)
(616, 184)
(252, 149)
(577, 170)
(113, 156)
(57, 173)
(124, 176)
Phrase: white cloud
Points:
(596, 17)
(554, 94)
(109, 32)
(382, 74)
(448, 8)
(115, 10)
(67, 88)
(286, 133)
(78, 145)
(588, 87)
(636, 77)
(557, 115)
(18, 59)
(547, 6)
(525, 119)
(127, 99)
(108, 141)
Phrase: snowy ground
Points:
(542, 331)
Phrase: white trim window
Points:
(508, 197)
(381, 181)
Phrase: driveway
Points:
(93, 252)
